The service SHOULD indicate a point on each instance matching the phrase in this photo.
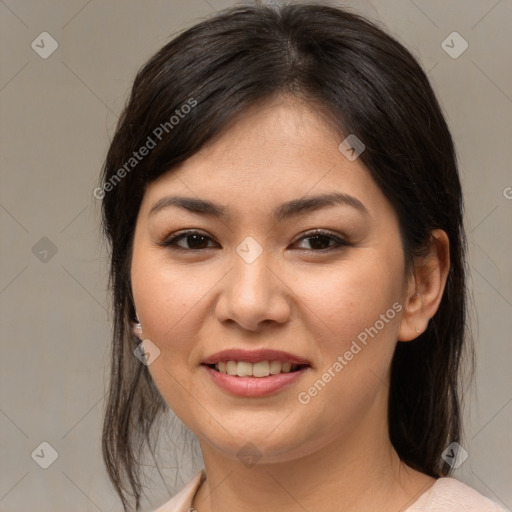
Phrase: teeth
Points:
(275, 367)
(244, 369)
(260, 369)
(231, 367)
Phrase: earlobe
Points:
(137, 328)
(414, 320)
(426, 288)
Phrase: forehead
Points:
(272, 153)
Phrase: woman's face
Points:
(257, 278)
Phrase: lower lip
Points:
(254, 386)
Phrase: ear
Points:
(425, 287)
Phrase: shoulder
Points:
(451, 495)
(182, 501)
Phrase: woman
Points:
(284, 210)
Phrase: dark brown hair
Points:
(372, 87)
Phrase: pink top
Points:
(446, 495)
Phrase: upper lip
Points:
(254, 356)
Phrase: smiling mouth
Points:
(259, 369)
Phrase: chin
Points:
(260, 444)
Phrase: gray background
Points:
(57, 117)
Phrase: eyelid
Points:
(325, 232)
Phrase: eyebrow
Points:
(284, 211)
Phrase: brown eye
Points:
(324, 241)
(194, 239)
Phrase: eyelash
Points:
(339, 242)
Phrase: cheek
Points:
(355, 327)
(153, 289)
(169, 299)
(354, 315)
(350, 299)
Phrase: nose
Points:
(253, 294)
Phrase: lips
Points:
(254, 373)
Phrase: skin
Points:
(334, 452)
